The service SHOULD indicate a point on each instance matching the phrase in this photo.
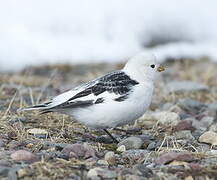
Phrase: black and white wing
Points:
(114, 86)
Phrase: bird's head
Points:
(143, 66)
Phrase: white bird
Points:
(115, 99)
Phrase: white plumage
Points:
(115, 99)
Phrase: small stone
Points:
(171, 156)
(102, 162)
(213, 152)
(23, 155)
(110, 158)
(137, 155)
(176, 109)
(5, 162)
(143, 171)
(213, 128)
(131, 143)
(22, 172)
(103, 173)
(2, 142)
(121, 148)
(15, 145)
(209, 137)
(184, 125)
(185, 134)
(213, 106)
(39, 133)
(4, 170)
(185, 86)
(79, 151)
(203, 123)
(162, 117)
(190, 104)
(152, 146)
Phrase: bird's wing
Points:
(113, 86)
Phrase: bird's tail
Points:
(42, 108)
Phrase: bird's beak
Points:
(160, 69)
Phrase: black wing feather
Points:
(117, 82)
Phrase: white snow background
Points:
(34, 32)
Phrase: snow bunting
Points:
(115, 99)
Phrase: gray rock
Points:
(131, 143)
(185, 134)
(97, 172)
(170, 156)
(79, 151)
(186, 86)
(166, 106)
(142, 170)
(209, 137)
(137, 155)
(197, 133)
(163, 117)
(189, 104)
(203, 123)
(213, 106)
(110, 158)
(4, 170)
(23, 155)
(213, 127)
(152, 146)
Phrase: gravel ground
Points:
(175, 139)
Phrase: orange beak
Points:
(160, 69)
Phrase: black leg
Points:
(113, 138)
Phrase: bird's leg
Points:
(113, 138)
(121, 130)
(128, 131)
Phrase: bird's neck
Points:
(138, 74)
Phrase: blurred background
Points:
(69, 31)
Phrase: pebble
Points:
(15, 145)
(110, 158)
(121, 148)
(176, 109)
(171, 156)
(4, 170)
(185, 134)
(22, 172)
(137, 155)
(186, 86)
(190, 104)
(213, 128)
(152, 146)
(2, 142)
(23, 155)
(78, 151)
(213, 106)
(102, 173)
(184, 125)
(209, 137)
(203, 123)
(39, 133)
(102, 162)
(143, 171)
(132, 142)
(162, 117)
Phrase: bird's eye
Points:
(152, 66)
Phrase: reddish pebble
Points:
(171, 156)
(23, 155)
(184, 125)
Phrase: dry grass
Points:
(24, 89)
